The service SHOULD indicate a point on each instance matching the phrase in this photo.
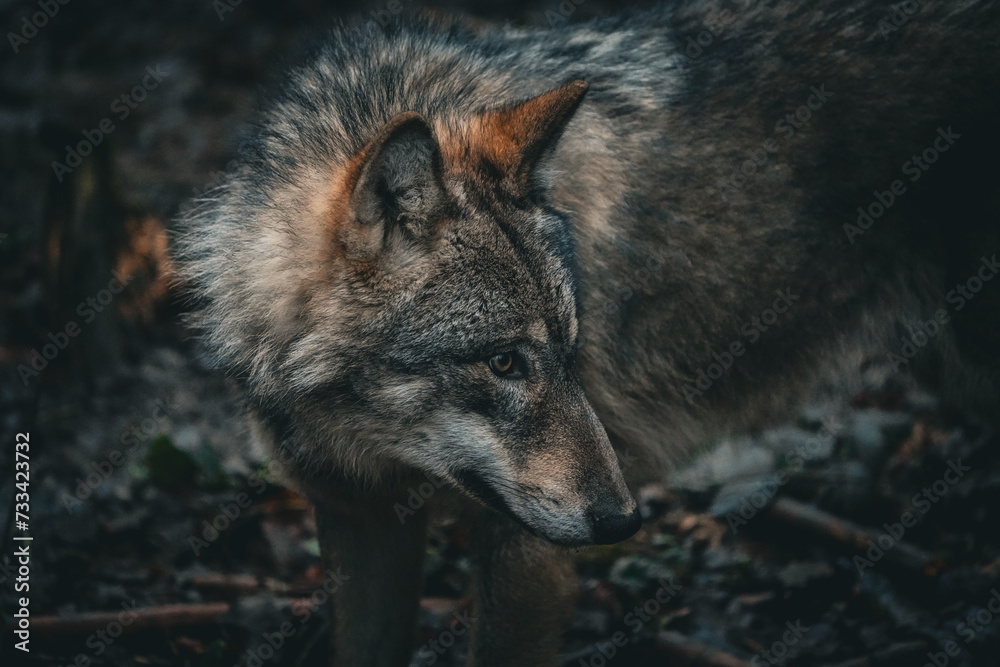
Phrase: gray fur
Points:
(359, 268)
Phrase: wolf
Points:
(497, 258)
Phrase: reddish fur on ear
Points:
(358, 162)
(356, 166)
(515, 138)
(357, 205)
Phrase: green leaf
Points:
(169, 467)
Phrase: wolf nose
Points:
(612, 527)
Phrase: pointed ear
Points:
(395, 186)
(515, 138)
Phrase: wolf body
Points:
(493, 256)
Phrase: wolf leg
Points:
(381, 556)
(525, 589)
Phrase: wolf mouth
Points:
(477, 486)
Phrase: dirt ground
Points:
(862, 532)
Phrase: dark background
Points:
(136, 447)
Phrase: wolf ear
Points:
(515, 138)
(395, 185)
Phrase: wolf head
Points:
(422, 312)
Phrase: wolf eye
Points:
(505, 364)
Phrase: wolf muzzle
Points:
(610, 525)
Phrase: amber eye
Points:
(502, 364)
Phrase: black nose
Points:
(612, 527)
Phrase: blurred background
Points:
(160, 537)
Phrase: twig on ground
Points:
(895, 654)
(684, 652)
(813, 520)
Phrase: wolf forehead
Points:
(490, 299)
(438, 218)
(488, 280)
(386, 202)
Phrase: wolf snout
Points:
(609, 523)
